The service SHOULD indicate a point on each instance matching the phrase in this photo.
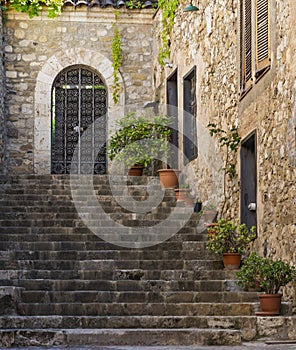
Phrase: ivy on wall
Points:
(116, 57)
(229, 139)
(168, 9)
(33, 7)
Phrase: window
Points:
(172, 110)
(254, 41)
(189, 119)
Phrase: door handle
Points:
(252, 206)
(76, 128)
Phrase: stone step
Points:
(95, 286)
(112, 264)
(174, 243)
(142, 303)
(251, 326)
(94, 224)
(118, 337)
(103, 196)
(136, 293)
(63, 208)
(8, 277)
(101, 189)
(65, 234)
(79, 254)
(90, 242)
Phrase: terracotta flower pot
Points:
(169, 177)
(209, 215)
(232, 261)
(183, 194)
(136, 170)
(270, 304)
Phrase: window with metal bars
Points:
(254, 42)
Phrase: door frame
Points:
(248, 143)
(42, 98)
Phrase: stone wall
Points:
(208, 39)
(37, 49)
(3, 159)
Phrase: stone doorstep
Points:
(105, 337)
(277, 328)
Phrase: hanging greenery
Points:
(33, 7)
(116, 57)
(231, 140)
(168, 9)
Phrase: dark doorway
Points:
(189, 119)
(249, 181)
(79, 103)
(172, 110)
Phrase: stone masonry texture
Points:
(37, 49)
(208, 39)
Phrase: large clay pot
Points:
(270, 304)
(169, 177)
(136, 170)
(232, 261)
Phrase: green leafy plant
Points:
(168, 10)
(197, 200)
(229, 236)
(133, 4)
(116, 58)
(3, 10)
(33, 7)
(141, 138)
(265, 274)
(231, 140)
(210, 206)
(184, 186)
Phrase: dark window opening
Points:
(189, 119)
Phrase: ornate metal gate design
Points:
(79, 102)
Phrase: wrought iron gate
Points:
(79, 122)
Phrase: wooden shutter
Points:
(262, 36)
(246, 43)
(248, 39)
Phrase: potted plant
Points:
(230, 238)
(169, 178)
(183, 193)
(209, 213)
(138, 140)
(267, 276)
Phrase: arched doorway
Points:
(79, 103)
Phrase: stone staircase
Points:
(75, 272)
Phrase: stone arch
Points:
(42, 98)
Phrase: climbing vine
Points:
(231, 140)
(116, 57)
(168, 9)
(33, 7)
